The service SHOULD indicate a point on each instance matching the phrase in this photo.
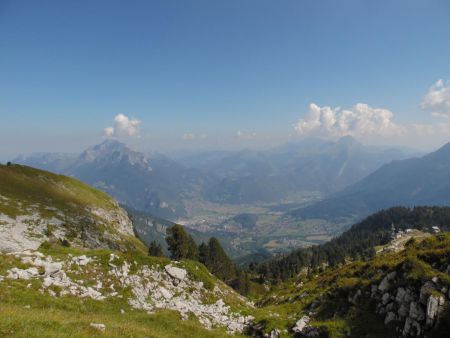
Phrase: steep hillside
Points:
(38, 206)
(149, 228)
(66, 292)
(361, 241)
(70, 266)
(417, 181)
(404, 294)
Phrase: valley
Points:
(207, 192)
(252, 228)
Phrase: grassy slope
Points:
(30, 190)
(69, 316)
(332, 288)
(28, 185)
(26, 312)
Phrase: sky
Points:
(164, 75)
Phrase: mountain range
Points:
(155, 183)
(159, 185)
(417, 181)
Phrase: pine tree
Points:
(203, 252)
(242, 282)
(155, 249)
(192, 252)
(181, 244)
(216, 260)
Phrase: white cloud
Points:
(360, 120)
(242, 135)
(437, 100)
(193, 136)
(123, 127)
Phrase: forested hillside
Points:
(359, 241)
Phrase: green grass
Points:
(28, 191)
(29, 186)
(333, 287)
(69, 316)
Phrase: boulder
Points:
(274, 334)
(81, 260)
(416, 312)
(433, 305)
(400, 296)
(389, 318)
(98, 326)
(52, 268)
(385, 282)
(411, 328)
(425, 291)
(16, 273)
(175, 272)
(403, 310)
(301, 324)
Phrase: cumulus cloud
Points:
(242, 135)
(360, 120)
(123, 127)
(437, 100)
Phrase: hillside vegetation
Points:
(64, 292)
(359, 242)
(392, 295)
(37, 206)
(70, 266)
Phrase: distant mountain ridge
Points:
(159, 185)
(417, 181)
(276, 174)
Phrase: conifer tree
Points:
(155, 249)
(181, 244)
(216, 260)
(192, 252)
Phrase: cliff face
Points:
(412, 309)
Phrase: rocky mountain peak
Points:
(113, 151)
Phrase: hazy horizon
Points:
(226, 75)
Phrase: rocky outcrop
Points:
(17, 234)
(413, 310)
(37, 206)
(152, 287)
(115, 217)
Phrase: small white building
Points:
(436, 229)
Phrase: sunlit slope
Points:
(38, 206)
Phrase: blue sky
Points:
(210, 69)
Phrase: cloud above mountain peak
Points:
(123, 127)
(359, 120)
